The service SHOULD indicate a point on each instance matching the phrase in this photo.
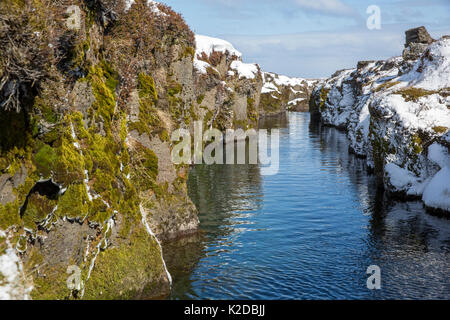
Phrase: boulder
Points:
(418, 35)
(417, 40)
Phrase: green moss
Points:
(149, 121)
(188, 52)
(252, 113)
(164, 136)
(270, 104)
(176, 106)
(21, 244)
(45, 160)
(69, 167)
(174, 89)
(74, 202)
(200, 99)
(48, 114)
(38, 207)
(50, 283)
(134, 269)
(207, 119)
(146, 87)
(413, 94)
(103, 156)
(9, 215)
(380, 149)
(104, 81)
(145, 169)
(323, 97)
(416, 144)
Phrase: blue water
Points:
(309, 232)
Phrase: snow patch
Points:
(439, 154)
(437, 192)
(269, 87)
(12, 282)
(401, 179)
(201, 66)
(295, 101)
(435, 67)
(208, 45)
(245, 70)
(128, 4)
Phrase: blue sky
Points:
(312, 38)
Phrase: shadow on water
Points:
(309, 232)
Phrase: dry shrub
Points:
(25, 52)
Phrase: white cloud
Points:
(332, 7)
(320, 54)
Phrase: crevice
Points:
(45, 188)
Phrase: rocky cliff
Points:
(397, 116)
(281, 93)
(228, 89)
(89, 97)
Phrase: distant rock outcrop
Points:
(417, 40)
(281, 93)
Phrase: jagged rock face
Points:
(397, 115)
(418, 35)
(281, 93)
(417, 40)
(86, 177)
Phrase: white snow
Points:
(128, 4)
(435, 68)
(396, 120)
(245, 70)
(295, 101)
(12, 285)
(437, 192)
(439, 154)
(426, 113)
(399, 178)
(153, 5)
(269, 87)
(286, 81)
(207, 45)
(201, 65)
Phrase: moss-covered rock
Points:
(72, 177)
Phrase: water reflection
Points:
(309, 232)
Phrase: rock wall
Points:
(397, 115)
(281, 93)
(87, 185)
(228, 90)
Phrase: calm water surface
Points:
(309, 232)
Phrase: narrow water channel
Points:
(309, 232)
